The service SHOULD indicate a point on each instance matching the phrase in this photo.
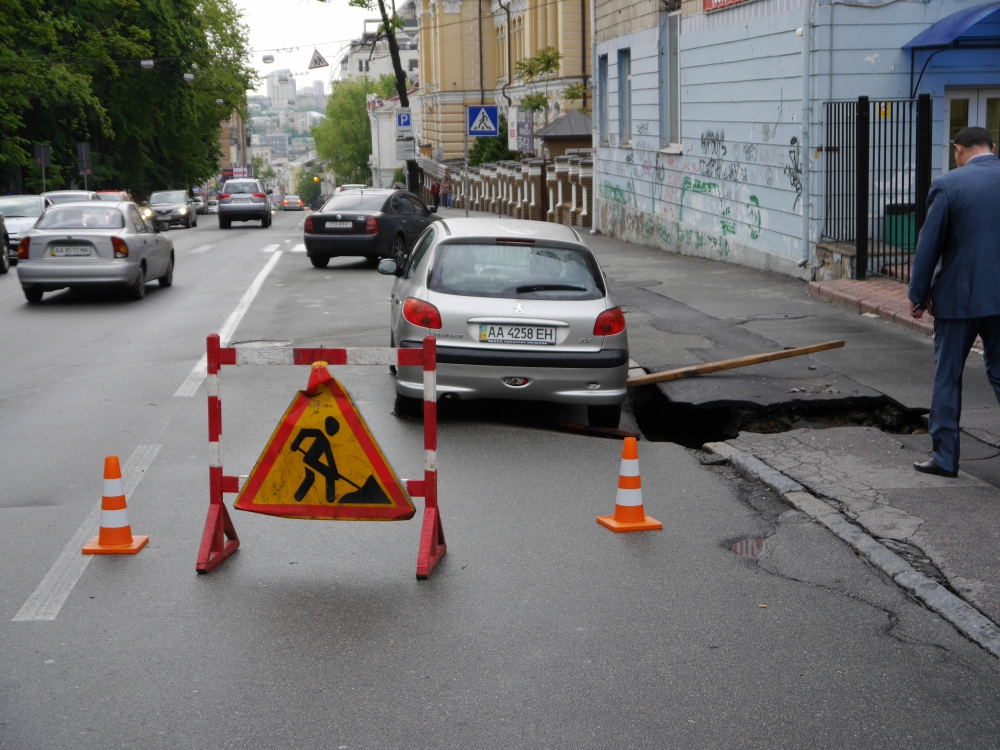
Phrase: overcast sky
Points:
(304, 24)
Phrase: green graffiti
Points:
(728, 226)
(613, 193)
(647, 229)
(697, 186)
(753, 213)
(663, 233)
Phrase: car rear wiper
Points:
(549, 288)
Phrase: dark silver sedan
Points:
(93, 244)
(372, 223)
(244, 200)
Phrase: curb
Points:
(823, 289)
(963, 616)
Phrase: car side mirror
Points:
(432, 209)
(387, 267)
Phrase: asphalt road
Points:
(540, 628)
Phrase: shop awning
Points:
(946, 32)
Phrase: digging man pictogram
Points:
(370, 493)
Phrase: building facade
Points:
(700, 112)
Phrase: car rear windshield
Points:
(168, 196)
(68, 197)
(110, 196)
(82, 217)
(355, 200)
(516, 272)
(14, 207)
(241, 188)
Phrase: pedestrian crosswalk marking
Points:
(269, 248)
(299, 248)
(203, 249)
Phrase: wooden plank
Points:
(730, 364)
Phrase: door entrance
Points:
(965, 108)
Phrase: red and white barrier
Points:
(219, 539)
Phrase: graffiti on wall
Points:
(793, 172)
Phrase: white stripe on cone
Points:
(630, 467)
(113, 488)
(629, 497)
(114, 519)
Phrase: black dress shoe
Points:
(931, 467)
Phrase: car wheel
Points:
(224, 223)
(604, 416)
(319, 261)
(167, 279)
(5, 260)
(398, 249)
(138, 290)
(33, 294)
(405, 406)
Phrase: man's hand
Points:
(917, 311)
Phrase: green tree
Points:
(309, 188)
(344, 138)
(575, 93)
(487, 150)
(544, 64)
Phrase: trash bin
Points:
(901, 225)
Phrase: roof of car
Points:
(513, 228)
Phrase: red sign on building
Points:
(711, 5)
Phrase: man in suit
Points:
(956, 274)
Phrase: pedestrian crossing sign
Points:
(482, 120)
(322, 462)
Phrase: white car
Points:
(20, 212)
(520, 311)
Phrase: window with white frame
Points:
(602, 97)
(670, 81)
(624, 97)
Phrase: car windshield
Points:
(168, 196)
(242, 188)
(355, 200)
(68, 197)
(516, 272)
(13, 207)
(110, 196)
(82, 217)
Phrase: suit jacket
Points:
(957, 263)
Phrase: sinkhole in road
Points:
(693, 425)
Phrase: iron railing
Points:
(878, 159)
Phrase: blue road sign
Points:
(403, 119)
(482, 120)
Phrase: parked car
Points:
(20, 212)
(244, 200)
(81, 244)
(374, 223)
(71, 196)
(200, 206)
(293, 203)
(115, 196)
(171, 207)
(212, 206)
(342, 188)
(521, 311)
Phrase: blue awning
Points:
(945, 32)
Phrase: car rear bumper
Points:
(329, 246)
(244, 211)
(50, 275)
(596, 378)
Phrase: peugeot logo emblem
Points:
(518, 309)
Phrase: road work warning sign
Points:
(323, 462)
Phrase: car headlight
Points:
(183, 211)
(147, 212)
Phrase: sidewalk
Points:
(879, 296)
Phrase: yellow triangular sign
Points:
(317, 61)
(323, 462)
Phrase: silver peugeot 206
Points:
(520, 310)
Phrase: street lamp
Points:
(268, 59)
(146, 64)
(189, 77)
(219, 102)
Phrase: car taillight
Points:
(371, 227)
(610, 322)
(300, 203)
(309, 224)
(225, 195)
(260, 195)
(22, 248)
(421, 313)
(121, 249)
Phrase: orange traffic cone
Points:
(116, 535)
(629, 513)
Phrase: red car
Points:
(114, 195)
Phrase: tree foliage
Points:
(344, 137)
(544, 64)
(70, 72)
(309, 187)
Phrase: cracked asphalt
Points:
(539, 629)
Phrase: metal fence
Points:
(877, 178)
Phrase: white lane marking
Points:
(269, 248)
(194, 379)
(54, 589)
(299, 248)
(203, 248)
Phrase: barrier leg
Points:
(432, 546)
(214, 547)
